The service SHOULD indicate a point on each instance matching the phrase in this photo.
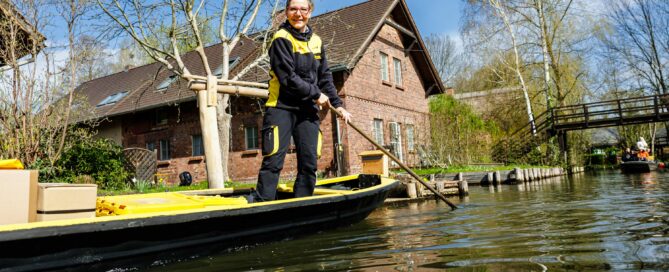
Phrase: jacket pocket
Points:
(270, 140)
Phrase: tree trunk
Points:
(224, 124)
(528, 104)
(544, 47)
(210, 137)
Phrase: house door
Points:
(396, 140)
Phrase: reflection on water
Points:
(605, 221)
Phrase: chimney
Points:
(278, 18)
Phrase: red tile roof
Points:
(346, 33)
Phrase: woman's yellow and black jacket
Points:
(299, 71)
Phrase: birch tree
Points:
(146, 23)
(517, 64)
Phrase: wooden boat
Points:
(68, 243)
(638, 166)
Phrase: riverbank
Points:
(457, 184)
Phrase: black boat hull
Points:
(66, 246)
(638, 166)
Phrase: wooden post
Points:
(489, 178)
(210, 137)
(519, 174)
(440, 185)
(411, 190)
(498, 178)
(526, 175)
(419, 189)
(463, 187)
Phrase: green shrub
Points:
(100, 159)
(597, 159)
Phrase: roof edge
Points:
(358, 54)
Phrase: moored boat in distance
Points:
(638, 166)
(76, 242)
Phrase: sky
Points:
(431, 16)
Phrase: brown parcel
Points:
(56, 201)
(18, 192)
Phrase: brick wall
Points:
(183, 122)
(369, 97)
(365, 95)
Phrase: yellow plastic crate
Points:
(145, 203)
(217, 200)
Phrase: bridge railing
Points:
(605, 113)
(589, 115)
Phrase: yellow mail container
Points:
(216, 200)
(144, 203)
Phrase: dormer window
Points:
(232, 63)
(112, 99)
(166, 83)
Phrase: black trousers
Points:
(278, 126)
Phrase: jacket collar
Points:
(306, 36)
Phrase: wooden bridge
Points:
(638, 110)
(619, 112)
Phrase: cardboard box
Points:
(56, 201)
(18, 194)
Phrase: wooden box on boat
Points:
(375, 163)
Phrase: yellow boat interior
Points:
(138, 206)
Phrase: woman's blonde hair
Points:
(311, 4)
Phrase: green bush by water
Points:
(99, 159)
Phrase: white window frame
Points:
(151, 146)
(164, 150)
(385, 73)
(410, 131)
(158, 118)
(396, 139)
(377, 130)
(197, 147)
(397, 64)
(166, 83)
(112, 99)
(231, 64)
(254, 133)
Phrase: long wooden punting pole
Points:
(263, 93)
(395, 159)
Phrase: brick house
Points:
(380, 66)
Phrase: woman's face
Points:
(298, 14)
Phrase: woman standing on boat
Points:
(301, 83)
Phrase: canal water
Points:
(601, 221)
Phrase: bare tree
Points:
(444, 55)
(178, 21)
(640, 34)
(90, 59)
(36, 108)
